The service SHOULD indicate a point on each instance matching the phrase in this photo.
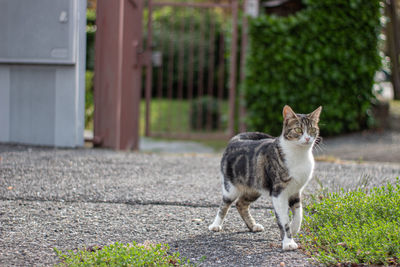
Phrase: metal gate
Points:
(191, 73)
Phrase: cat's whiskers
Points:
(317, 147)
(322, 147)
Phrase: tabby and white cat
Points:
(256, 163)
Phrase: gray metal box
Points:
(42, 71)
(38, 31)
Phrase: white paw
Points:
(289, 245)
(215, 228)
(257, 228)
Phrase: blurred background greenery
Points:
(304, 53)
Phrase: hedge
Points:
(325, 54)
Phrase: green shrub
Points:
(355, 227)
(326, 54)
(123, 255)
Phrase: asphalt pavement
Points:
(74, 198)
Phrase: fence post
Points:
(118, 73)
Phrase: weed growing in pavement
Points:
(356, 227)
(118, 254)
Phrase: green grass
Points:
(123, 255)
(174, 114)
(165, 114)
(356, 227)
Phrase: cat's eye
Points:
(313, 130)
(298, 130)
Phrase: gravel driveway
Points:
(68, 199)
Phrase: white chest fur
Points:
(299, 161)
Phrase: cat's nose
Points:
(307, 139)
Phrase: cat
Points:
(255, 163)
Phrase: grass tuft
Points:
(119, 254)
(358, 227)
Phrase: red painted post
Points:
(118, 73)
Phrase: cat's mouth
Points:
(306, 143)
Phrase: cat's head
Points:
(300, 129)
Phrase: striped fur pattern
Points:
(256, 163)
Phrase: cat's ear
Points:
(315, 114)
(288, 113)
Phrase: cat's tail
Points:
(252, 136)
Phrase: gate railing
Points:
(190, 85)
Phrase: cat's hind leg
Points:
(243, 205)
(229, 194)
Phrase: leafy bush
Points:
(355, 227)
(326, 54)
(123, 255)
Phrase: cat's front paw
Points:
(289, 245)
(215, 228)
(257, 228)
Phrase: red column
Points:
(118, 73)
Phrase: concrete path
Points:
(147, 144)
(365, 146)
(68, 199)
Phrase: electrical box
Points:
(42, 71)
